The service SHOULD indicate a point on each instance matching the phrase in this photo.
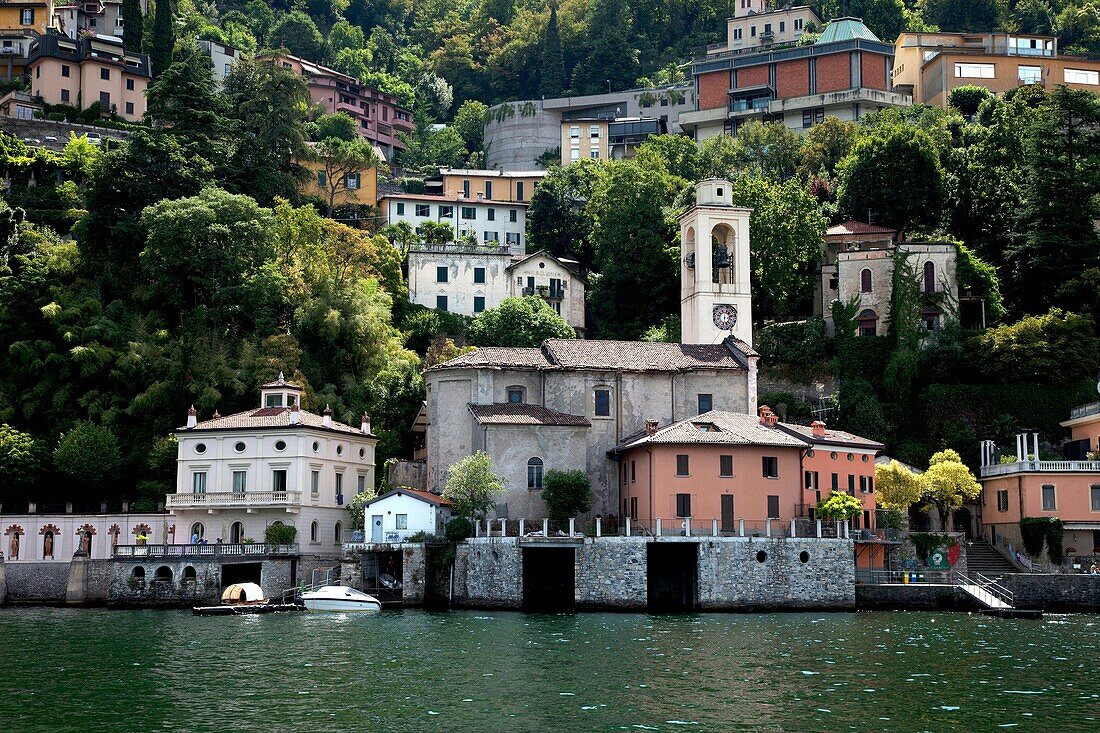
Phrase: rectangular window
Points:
(725, 466)
(278, 480)
(682, 465)
(64, 95)
(469, 212)
(1049, 503)
(424, 210)
(798, 24)
(105, 74)
(240, 482)
(129, 108)
(491, 214)
(65, 70)
(515, 396)
(770, 465)
(863, 484)
(479, 275)
(603, 402)
(767, 29)
(322, 179)
(1082, 76)
(105, 100)
(575, 154)
(594, 154)
(782, 26)
(479, 303)
(402, 521)
(852, 484)
(491, 236)
(519, 193)
(633, 472)
(129, 85)
(574, 132)
(1094, 492)
(198, 482)
(773, 506)
(706, 403)
(441, 302)
(1029, 74)
(446, 212)
(752, 31)
(466, 188)
(351, 181)
(360, 484)
(975, 71)
(339, 487)
(835, 484)
(315, 483)
(811, 480)
(633, 507)
(737, 34)
(441, 274)
(400, 209)
(26, 16)
(683, 505)
(513, 216)
(1002, 501)
(489, 189)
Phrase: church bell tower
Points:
(715, 295)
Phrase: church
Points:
(567, 404)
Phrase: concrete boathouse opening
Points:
(549, 579)
(242, 572)
(671, 575)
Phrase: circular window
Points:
(339, 449)
(362, 452)
(761, 556)
(863, 458)
(804, 556)
(200, 447)
(542, 265)
(280, 445)
(833, 455)
(316, 446)
(851, 457)
(239, 446)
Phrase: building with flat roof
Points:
(222, 58)
(602, 139)
(491, 185)
(21, 22)
(846, 74)
(488, 222)
(929, 65)
(759, 24)
(87, 70)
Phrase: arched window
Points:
(198, 532)
(337, 531)
(723, 252)
(868, 323)
(138, 573)
(236, 533)
(189, 574)
(313, 531)
(534, 474)
(865, 280)
(929, 277)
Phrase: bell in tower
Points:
(715, 297)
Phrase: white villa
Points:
(488, 221)
(279, 463)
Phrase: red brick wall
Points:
(792, 78)
(834, 73)
(874, 70)
(752, 76)
(714, 89)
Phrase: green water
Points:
(99, 670)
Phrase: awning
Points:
(1087, 526)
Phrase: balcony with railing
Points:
(289, 500)
(201, 553)
(1015, 467)
(1092, 408)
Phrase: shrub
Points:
(458, 529)
(968, 98)
(278, 533)
(795, 342)
(1033, 530)
(1055, 348)
(567, 493)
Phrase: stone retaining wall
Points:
(914, 597)
(611, 573)
(36, 582)
(488, 574)
(1056, 593)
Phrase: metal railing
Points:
(211, 553)
(896, 577)
(667, 527)
(1092, 408)
(1005, 469)
(235, 499)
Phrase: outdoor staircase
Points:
(989, 593)
(981, 557)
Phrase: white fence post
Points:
(714, 527)
(819, 529)
(545, 527)
(572, 520)
(658, 526)
(793, 533)
(768, 527)
(687, 526)
(521, 526)
(503, 528)
(628, 534)
(741, 527)
(599, 527)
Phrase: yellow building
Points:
(353, 187)
(606, 139)
(21, 21)
(489, 185)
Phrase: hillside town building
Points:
(930, 65)
(568, 403)
(89, 70)
(603, 139)
(20, 24)
(98, 17)
(754, 25)
(489, 222)
(222, 58)
(513, 186)
(240, 473)
(845, 73)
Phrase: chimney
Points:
(364, 424)
(650, 427)
(767, 418)
(192, 419)
(216, 414)
(819, 429)
(295, 418)
(326, 418)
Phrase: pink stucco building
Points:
(87, 70)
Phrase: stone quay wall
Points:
(489, 574)
(36, 582)
(611, 573)
(1056, 593)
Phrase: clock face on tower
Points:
(725, 317)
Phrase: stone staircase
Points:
(982, 558)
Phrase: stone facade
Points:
(36, 582)
(414, 573)
(611, 573)
(489, 575)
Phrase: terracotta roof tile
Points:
(856, 227)
(523, 414)
(268, 417)
(500, 357)
(415, 493)
(718, 427)
(833, 437)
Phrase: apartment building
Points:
(754, 26)
(379, 115)
(492, 185)
(87, 70)
(20, 24)
(101, 17)
(487, 221)
(846, 74)
(930, 65)
(222, 58)
(605, 139)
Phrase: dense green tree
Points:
(185, 100)
(341, 159)
(132, 25)
(472, 485)
(567, 494)
(825, 145)
(21, 458)
(552, 65)
(470, 124)
(968, 98)
(962, 16)
(558, 219)
(339, 126)
(164, 36)
(90, 454)
(297, 33)
(1054, 348)
(893, 178)
(680, 154)
(886, 18)
(524, 322)
(839, 506)
(769, 149)
(897, 487)
(610, 59)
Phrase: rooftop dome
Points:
(846, 29)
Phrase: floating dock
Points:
(246, 609)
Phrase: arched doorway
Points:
(198, 532)
(236, 533)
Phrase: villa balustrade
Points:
(1008, 469)
(231, 499)
(207, 552)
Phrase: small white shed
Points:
(397, 514)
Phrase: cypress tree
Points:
(132, 25)
(164, 36)
(552, 75)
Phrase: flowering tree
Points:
(472, 485)
(948, 483)
(897, 486)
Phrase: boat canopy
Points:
(242, 593)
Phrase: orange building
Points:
(1020, 485)
(88, 70)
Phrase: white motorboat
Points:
(339, 598)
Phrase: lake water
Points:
(149, 671)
